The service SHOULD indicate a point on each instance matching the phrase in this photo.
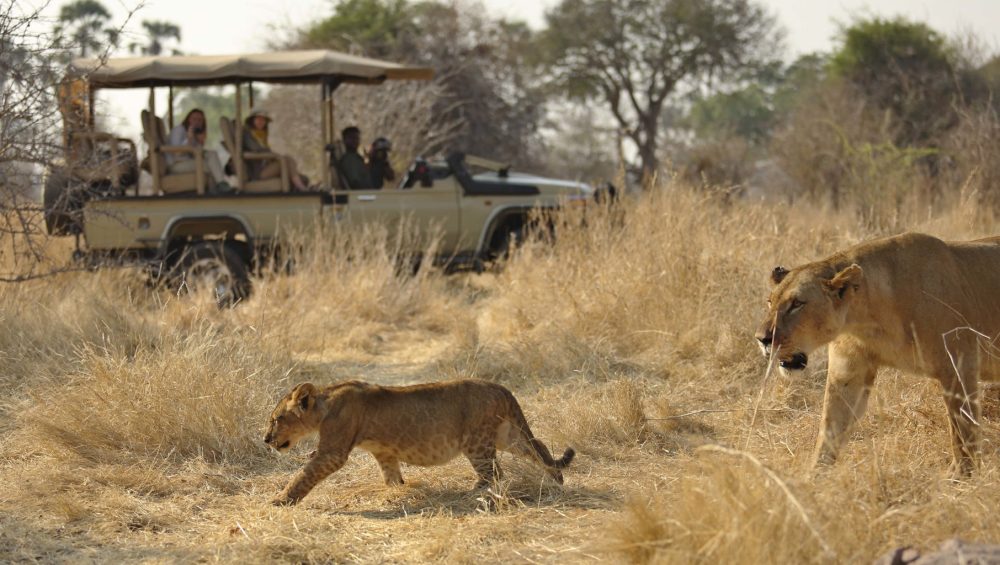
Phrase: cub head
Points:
(807, 309)
(293, 418)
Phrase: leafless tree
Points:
(400, 111)
(633, 55)
(31, 137)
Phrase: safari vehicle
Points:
(475, 206)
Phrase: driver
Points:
(379, 167)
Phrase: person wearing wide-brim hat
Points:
(255, 140)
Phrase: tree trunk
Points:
(647, 142)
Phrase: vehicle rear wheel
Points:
(215, 268)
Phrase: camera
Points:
(198, 131)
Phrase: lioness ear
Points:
(304, 395)
(847, 279)
(778, 274)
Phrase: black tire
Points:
(505, 242)
(214, 267)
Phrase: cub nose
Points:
(267, 438)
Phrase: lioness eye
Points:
(795, 305)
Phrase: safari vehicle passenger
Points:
(255, 139)
(192, 131)
(379, 167)
(351, 164)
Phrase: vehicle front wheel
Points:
(214, 268)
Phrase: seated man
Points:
(351, 164)
(379, 167)
(191, 132)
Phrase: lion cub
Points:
(428, 424)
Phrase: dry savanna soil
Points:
(131, 419)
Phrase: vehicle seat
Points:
(154, 132)
(280, 183)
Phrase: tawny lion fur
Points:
(911, 302)
(424, 425)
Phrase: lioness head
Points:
(293, 418)
(807, 309)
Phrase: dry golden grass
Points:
(131, 418)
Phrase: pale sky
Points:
(234, 26)
(239, 26)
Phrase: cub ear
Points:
(847, 279)
(778, 274)
(303, 396)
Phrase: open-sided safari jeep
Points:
(473, 205)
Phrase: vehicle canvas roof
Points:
(278, 66)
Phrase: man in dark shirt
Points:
(351, 163)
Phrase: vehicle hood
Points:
(524, 179)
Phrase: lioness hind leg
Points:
(849, 381)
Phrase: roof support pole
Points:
(170, 106)
(237, 157)
(327, 139)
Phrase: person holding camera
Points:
(191, 132)
(379, 167)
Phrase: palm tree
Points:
(158, 32)
(84, 22)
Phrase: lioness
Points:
(422, 425)
(912, 302)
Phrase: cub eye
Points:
(795, 305)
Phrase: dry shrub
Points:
(722, 513)
(350, 288)
(640, 288)
(972, 147)
(194, 396)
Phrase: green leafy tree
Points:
(754, 110)
(635, 54)
(85, 24)
(903, 68)
(377, 28)
(158, 34)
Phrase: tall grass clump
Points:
(674, 277)
(351, 283)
